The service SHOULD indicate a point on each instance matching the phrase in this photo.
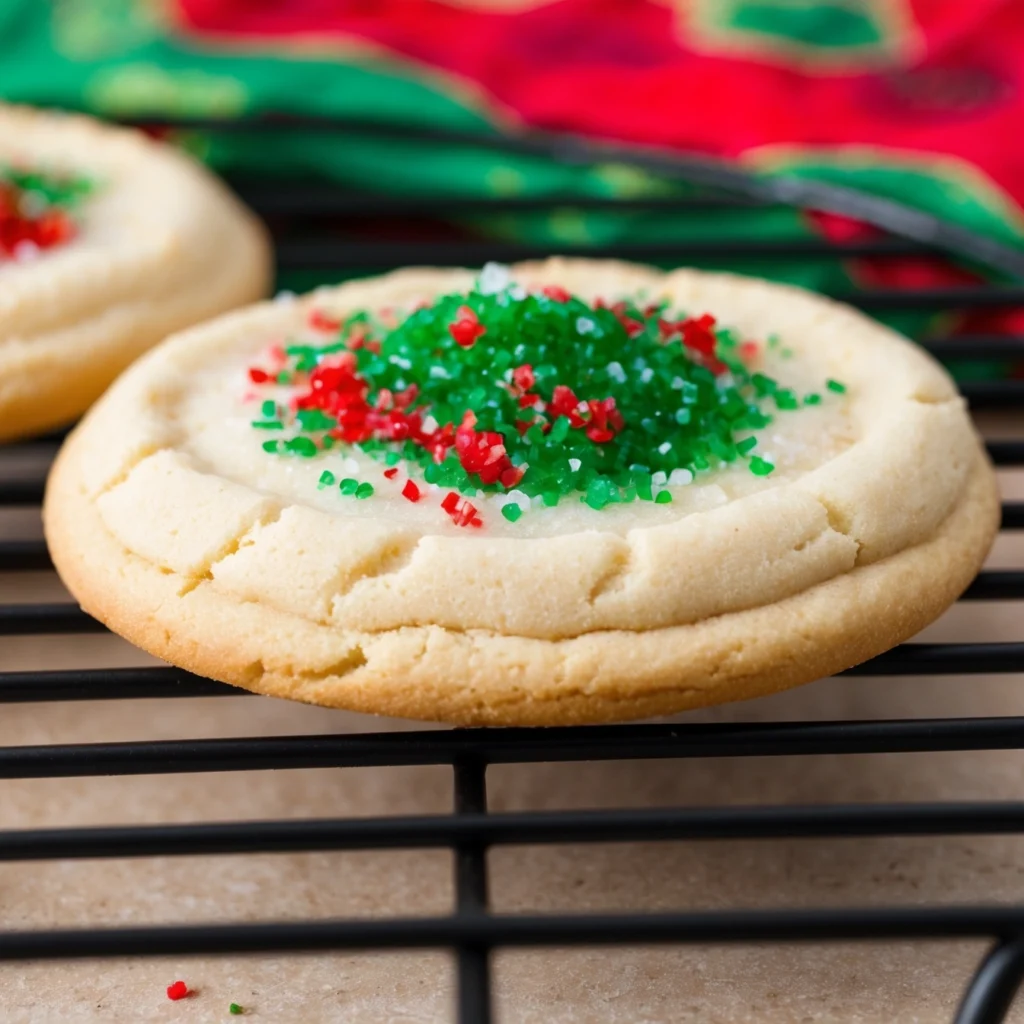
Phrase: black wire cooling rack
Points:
(472, 931)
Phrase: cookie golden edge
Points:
(49, 380)
(474, 677)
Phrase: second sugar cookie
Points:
(108, 241)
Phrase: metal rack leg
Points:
(991, 992)
(474, 973)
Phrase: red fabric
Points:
(626, 69)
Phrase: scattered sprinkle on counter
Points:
(178, 990)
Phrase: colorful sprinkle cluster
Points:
(539, 396)
(37, 211)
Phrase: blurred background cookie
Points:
(108, 241)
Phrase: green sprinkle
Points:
(268, 409)
(759, 467)
(326, 480)
(314, 419)
(348, 485)
(812, 399)
(560, 430)
(746, 445)
(271, 446)
(236, 1010)
(511, 511)
(834, 385)
(302, 446)
(392, 459)
(643, 486)
(268, 424)
(364, 490)
(663, 498)
(785, 399)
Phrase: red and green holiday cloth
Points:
(920, 101)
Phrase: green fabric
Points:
(831, 26)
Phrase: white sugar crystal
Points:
(665, 447)
(517, 292)
(585, 325)
(680, 477)
(646, 375)
(677, 383)
(660, 478)
(405, 364)
(616, 372)
(429, 425)
(574, 464)
(439, 372)
(517, 498)
(494, 278)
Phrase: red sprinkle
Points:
(179, 990)
(523, 377)
(462, 513)
(555, 293)
(44, 232)
(749, 350)
(320, 321)
(392, 473)
(605, 420)
(565, 403)
(512, 476)
(699, 336)
(258, 376)
(411, 491)
(482, 452)
(466, 328)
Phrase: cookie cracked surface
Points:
(170, 521)
(152, 244)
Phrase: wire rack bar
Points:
(471, 832)
(976, 346)
(359, 253)
(990, 585)
(597, 743)
(322, 199)
(988, 998)
(471, 899)
(838, 924)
